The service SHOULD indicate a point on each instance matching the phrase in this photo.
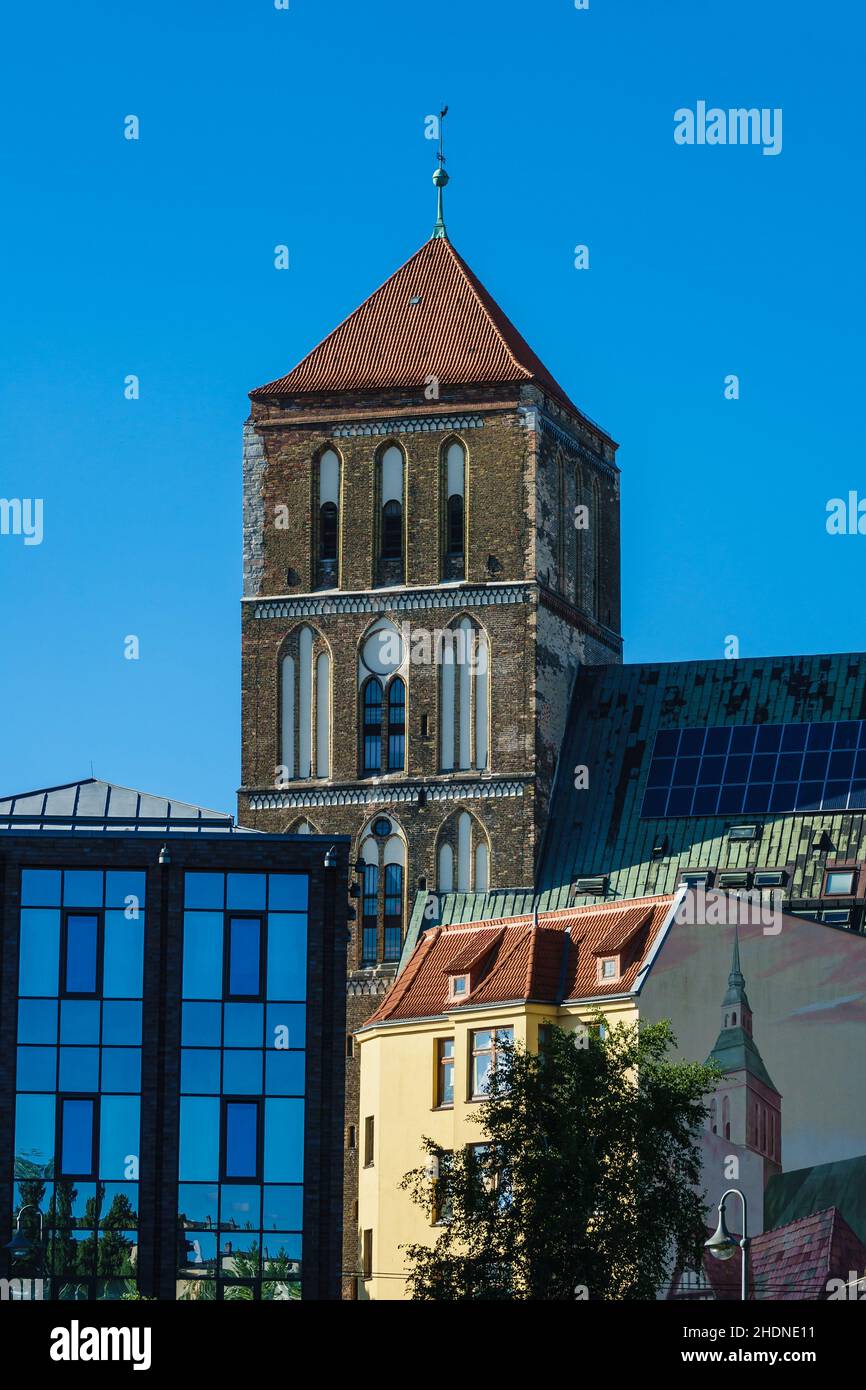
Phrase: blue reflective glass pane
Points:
(79, 1069)
(121, 1024)
(125, 888)
(39, 951)
(242, 1025)
(841, 766)
(199, 1139)
(241, 1139)
(40, 887)
(240, 1207)
(286, 1026)
(706, 801)
(122, 970)
(278, 1248)
(202, 955)
(121, 1069)
(245, 934)
(82, 888)
(79, 1020)
(201, 1025)
(37, 1021)
(118, 1136)
(288, 892)
(37, 1069)
(76, 1137)
(245, 890)
(287, 955)
(654, 803)
(836, 796)
(34, 1136)
(199, 1253)
(197, 1204)
(119, 1205)
(200, 1070)
(204, 890)
(712, 771)
(242, 1072)
(809, 796)
(283, 1209)
(74, 1204)
(284, 1140)
(81, 954)
(284, 1073)
(845, 734)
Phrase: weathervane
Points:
(440, 177)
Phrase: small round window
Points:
(382, 826)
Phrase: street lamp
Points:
(722, 1244)
(20, 1246)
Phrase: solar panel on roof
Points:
(757, 768)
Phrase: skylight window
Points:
(757, 769)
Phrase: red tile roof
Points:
(551, 959)
(794, 1261)
(432, 317)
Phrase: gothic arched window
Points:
(595, 533)
(328, 517)
(382, 700)
(453, 490)
(372, 734)
(464, 737)
(396, 725)
(463, 856)
(305, 707)
(383, 872)
(390, 487)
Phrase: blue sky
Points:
(306, 127)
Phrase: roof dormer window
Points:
(608, 968)
(460, 986)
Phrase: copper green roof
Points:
(616, 712)
(790, 1196)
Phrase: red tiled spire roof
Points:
(431, 317)
(551, 958)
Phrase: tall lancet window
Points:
(454, 519)
(464, 734)
(596, 550)
(328, 518)
(383, 858)
(382, 662)
(462, 856)
(390, 489)
(305, 708)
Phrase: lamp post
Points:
(20, 1246)
(722, 1244)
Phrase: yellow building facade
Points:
(426, 1051)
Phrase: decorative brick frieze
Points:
(421, 424)
(404, 793)
(392, 601)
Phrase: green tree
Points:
(586, 1182)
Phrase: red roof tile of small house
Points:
(551, 958)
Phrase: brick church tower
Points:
(431, 548)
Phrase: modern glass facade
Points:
(172, 1060)
(78, 1074)
(243, 1054)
